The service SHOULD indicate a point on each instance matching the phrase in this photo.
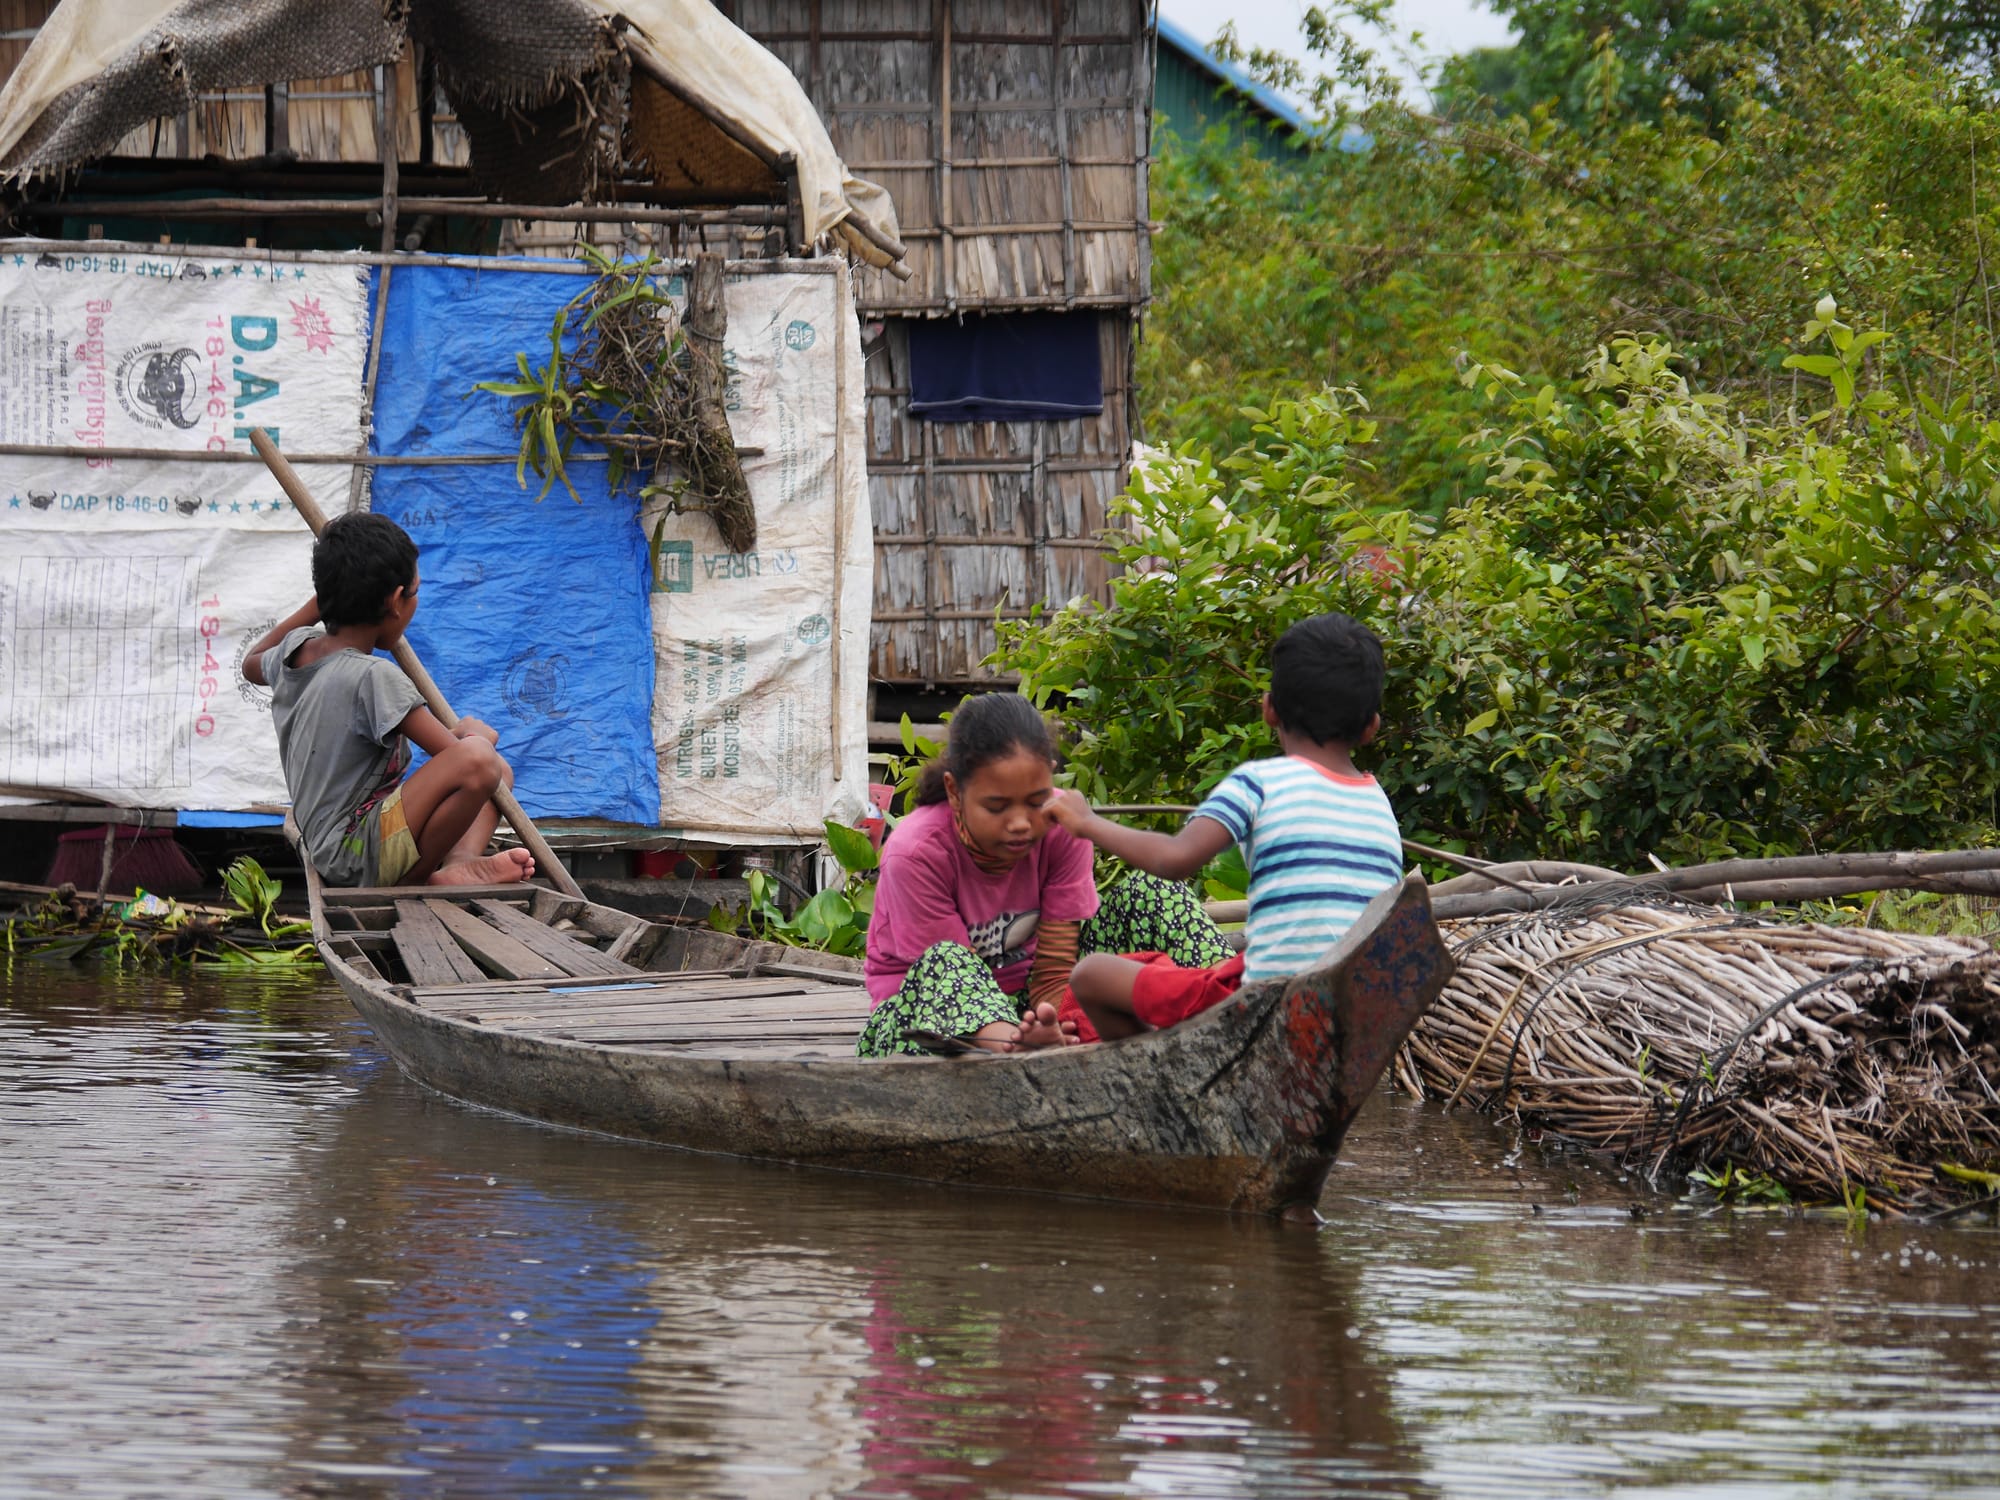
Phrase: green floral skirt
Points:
(949, 989)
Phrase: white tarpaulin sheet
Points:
(128, 586)
(760, 735)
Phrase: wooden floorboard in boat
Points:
(454, 1001)
(423, 994)
(801, 1033)
(383, 895)
(830, 1003)
(715, 1017)
(809, 971)
(427, 950)
(559, 948)
(492, 948)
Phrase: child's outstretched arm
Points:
(253, 663)
(1174, 856)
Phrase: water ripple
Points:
(243, 1257)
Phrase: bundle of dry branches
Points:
(649, 388)
(1826, 1059)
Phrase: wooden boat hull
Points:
(1242, 1108)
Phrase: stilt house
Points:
(1012, 137)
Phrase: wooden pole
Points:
(503, 797)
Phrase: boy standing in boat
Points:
(345, 718)
(1318, 835)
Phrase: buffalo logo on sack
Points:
(161, 387)
(813, 629)
(187, 505)
(537, 686)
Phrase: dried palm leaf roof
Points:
(544, 88)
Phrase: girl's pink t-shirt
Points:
(930, 891)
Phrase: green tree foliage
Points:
(1844, 153)
(1697, 56)
(1709, 577)
(1664, 626)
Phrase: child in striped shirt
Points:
(1318, 835)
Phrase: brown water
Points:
(241, 1256)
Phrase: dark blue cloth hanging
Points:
(1006, 367)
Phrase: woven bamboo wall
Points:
(978, 520)
(322, 119)
(1011, 133)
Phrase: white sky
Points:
(1446, 25)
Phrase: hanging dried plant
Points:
(643, 386)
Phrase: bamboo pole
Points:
(1796, 878)
(372, 207)
(503, 796)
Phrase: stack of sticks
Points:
(1679, 1035)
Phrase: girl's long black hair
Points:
(986, 728)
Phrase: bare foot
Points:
(504, 868)
(1040, 1028)
(997, 1036)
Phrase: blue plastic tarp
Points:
(531, 616)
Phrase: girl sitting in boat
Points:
(983, 904)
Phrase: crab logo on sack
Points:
(255, 696)
(537, 686)
(161, 387)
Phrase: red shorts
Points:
(1164, 992)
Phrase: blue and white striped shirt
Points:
(1319, 846)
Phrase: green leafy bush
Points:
(1663, 627)
(832, 921)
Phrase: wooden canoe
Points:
(525, 1000)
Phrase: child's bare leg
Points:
(448, 803)
(1102, 984)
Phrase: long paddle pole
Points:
(503, 797)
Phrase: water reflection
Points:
(242, 1256)
(595, 1311)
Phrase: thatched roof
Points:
(550, 92)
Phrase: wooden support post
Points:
(427, 88)
(1057, 76)
(942, 27)
(841, 327)
(385, 140)
(277, 118)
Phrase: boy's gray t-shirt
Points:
(337, 737)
